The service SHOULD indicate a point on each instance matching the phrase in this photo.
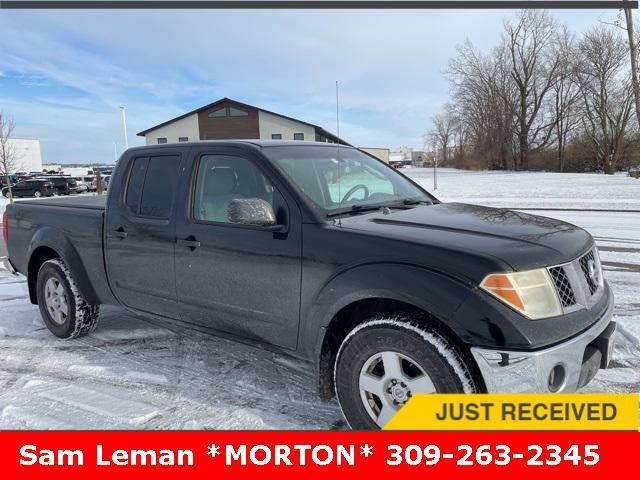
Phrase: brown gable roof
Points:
(245, 105)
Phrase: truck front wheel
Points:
(63, 308)
(382, 363)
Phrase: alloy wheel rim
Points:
(387, 381)
(56, 300)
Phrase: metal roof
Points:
(246, 105)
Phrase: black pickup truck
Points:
(330, 255)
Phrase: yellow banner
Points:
(518, 412)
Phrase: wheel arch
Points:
(402, 292)
(47, 244)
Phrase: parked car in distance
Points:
(90, 181)
(331, 256)
(31, 188)
(400, 163)
(3, 180)
(81, 185)
(63, 185)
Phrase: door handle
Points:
(120, 233)
(190, 242)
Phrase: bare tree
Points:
(633, 41)
(442, 131)
(8, 154)
(566, 95)
(483, 98)
(459, 140)
(534, 67)
(540, 89)
(633, 51)
(607, 97)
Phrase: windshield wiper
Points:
(406, 203)
(358, 209)
(415, 201)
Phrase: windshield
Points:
(344, 178)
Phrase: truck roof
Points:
(258, 143)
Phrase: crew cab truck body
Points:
(325, 253)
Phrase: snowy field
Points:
(532, 189)
(133, 373)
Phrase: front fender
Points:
(431, 291)
(57, 240)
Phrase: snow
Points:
(137, 373)
(532, 189)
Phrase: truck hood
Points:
(519, 239)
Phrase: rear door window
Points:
(159, 186)
(136, 180)
(152, 185)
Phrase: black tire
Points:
(440, 358)
(6, 194)
(81, 318)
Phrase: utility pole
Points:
(435, 164)
(115, 152)
(633, 50)
(435, 172)
(124, 126)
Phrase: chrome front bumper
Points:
(562, 368)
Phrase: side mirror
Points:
(253, 211)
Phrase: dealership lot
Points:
(139, 373)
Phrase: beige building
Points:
(229, 119)
(379, 153)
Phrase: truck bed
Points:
(90, 202)
(72, 227)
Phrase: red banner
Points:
(317, 455)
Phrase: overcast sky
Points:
(64, 74)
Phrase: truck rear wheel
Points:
(382, 363)
(63, 308)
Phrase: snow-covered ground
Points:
(143, 374)
(532, 189)
(132, 373)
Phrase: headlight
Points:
(531, 293)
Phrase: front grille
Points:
(591, 279)
(565, 292)
(577, 283)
